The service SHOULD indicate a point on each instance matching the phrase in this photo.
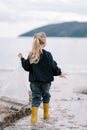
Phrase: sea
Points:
(69, 53)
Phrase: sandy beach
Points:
(68, 106)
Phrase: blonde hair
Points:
(39, 39)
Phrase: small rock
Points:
(13, 108)
(78, 98)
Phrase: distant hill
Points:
(66, 29)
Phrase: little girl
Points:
(42, 69)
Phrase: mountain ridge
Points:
(65, 29)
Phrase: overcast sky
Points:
(18, 16)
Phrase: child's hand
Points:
(20, 55)
(63, 76)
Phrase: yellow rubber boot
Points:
(34, 115)
(46, 114)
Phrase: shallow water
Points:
(70, 53)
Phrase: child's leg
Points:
(46, 114)
(46, 99)
(45, 92)
(36, 101)
(34, 116)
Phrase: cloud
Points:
(18, 10)
(34, 13)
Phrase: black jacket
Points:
(44, 70)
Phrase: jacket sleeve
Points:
(25, 64)
(55, 69)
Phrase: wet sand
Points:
(68, 107)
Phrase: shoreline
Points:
(67, 106)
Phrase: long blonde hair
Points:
(39, 39)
